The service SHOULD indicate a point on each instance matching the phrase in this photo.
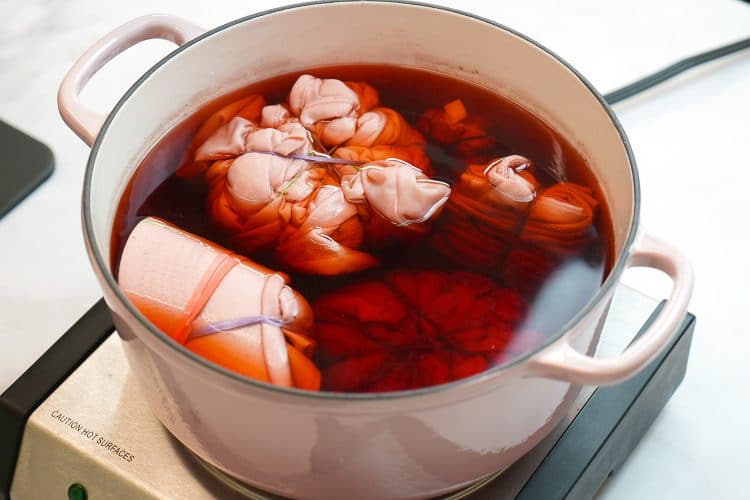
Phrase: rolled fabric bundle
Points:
(415, 328)
(224, 307)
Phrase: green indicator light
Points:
(76, 491)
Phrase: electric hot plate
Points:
(76, 425)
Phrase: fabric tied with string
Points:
(501, 219)
(275, 189)
(219, 305)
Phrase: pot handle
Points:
(84, 121)
(561, 361)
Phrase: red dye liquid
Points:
(424, 316)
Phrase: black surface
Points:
(675, 69)
(41, 379)
(24, 164)
(637, 419)
(610, 425)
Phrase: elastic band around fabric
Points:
(219, 268)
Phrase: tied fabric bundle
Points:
(383, 133)
(219, 305)
(348, 119)
(271, 190)
(369, 205)
(413, 329)
(499, 218)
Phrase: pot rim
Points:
(111, 283)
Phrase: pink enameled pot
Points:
(409, 444)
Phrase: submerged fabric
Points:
(268, 195)
(321, 183)
(183, 283)
(413, 329)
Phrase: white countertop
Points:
(690, 138)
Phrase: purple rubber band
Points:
(313, 158)
(234, 323)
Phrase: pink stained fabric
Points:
(180, 281)
(396, 190)
(269, 193)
